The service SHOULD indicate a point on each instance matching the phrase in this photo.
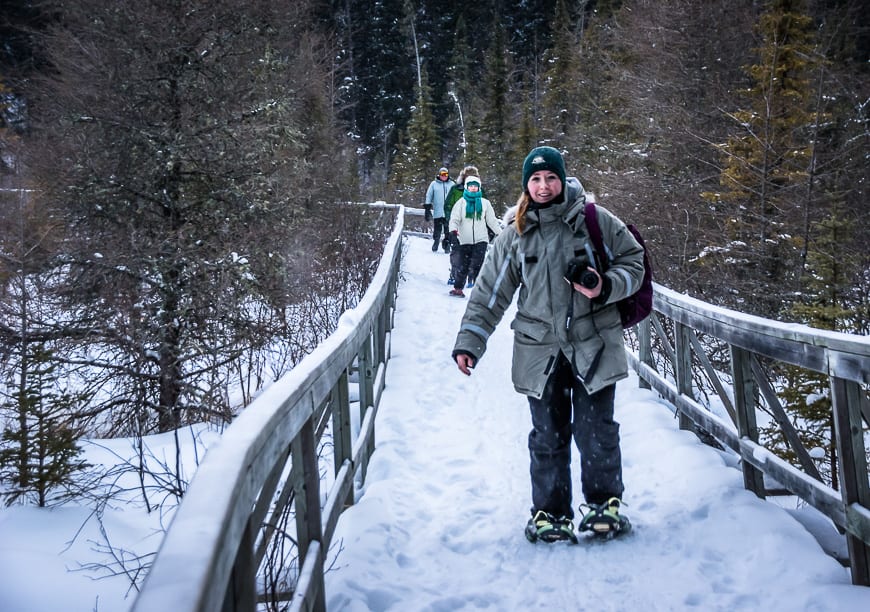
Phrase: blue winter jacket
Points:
(436, 194)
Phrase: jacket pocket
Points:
(533, 357)
(534, 331)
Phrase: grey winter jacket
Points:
(551, 315)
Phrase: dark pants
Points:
(595, 433)
(439, 226)
(467, 260)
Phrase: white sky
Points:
(438, 525)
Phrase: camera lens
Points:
(588, 279)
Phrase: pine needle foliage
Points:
(765, 162)
(39, 451)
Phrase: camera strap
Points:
(593, 367)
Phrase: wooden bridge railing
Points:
(267, 462)
(681, 356)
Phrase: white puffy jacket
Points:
(472, 231)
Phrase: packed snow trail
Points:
(438, 525)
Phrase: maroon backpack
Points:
(636, 307)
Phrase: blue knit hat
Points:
(543, 158)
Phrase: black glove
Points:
(427, 212)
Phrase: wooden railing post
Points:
(366, 398)
(644, 346)
(683, 368)
(308, 517)
(847, 398)
(241, 593)
(342, 436)
(745, 394)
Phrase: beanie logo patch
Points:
(539, 159)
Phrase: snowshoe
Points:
(547, 528)
(604, 520)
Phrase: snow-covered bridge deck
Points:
(438, 523)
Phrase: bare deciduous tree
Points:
(175, 138)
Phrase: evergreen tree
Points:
(460, 91)
(39, 454)
(381, 84)
(434, 27)
(560, 108)
(527, 134)
(806, 394)
(497, 159)
(419, 154)
(765, 164)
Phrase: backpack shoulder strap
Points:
(591, 215)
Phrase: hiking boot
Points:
(435, 247)
(547, 528)
(604, 519)
(457, 293)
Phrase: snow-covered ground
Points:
(439, 522)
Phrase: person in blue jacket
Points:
(434, 206)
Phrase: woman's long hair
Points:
(522, 208)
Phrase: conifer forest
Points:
(179, 179)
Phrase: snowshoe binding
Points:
(547, 528)
(604, 520)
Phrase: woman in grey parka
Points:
(568, 342)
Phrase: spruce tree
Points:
(460, 91)
(765, 161)
(496, 160)
(39, 453)
(419, 153)
(560, 108)
(806, 394)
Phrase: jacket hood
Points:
(575, 199)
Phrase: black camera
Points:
(578, 272)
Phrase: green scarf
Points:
(473, 205)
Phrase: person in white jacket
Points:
(469, 220)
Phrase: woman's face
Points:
(544, 186)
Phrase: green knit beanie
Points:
(543, 158)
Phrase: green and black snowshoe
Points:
(547, 528)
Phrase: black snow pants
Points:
(565, 410)
(467, 260)
(439, 226)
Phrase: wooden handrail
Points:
(267, 459)
(844, 358)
